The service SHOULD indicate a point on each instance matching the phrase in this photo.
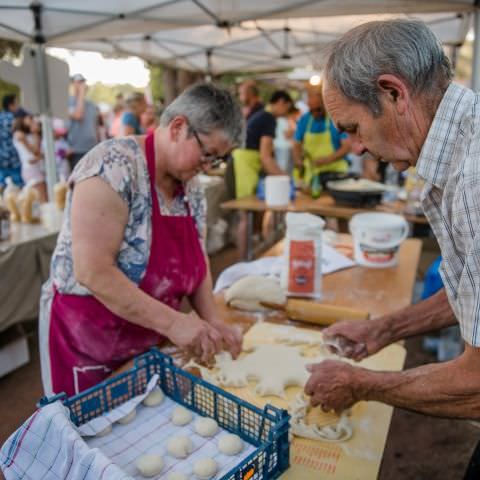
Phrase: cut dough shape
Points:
(149, 465)
(205, 468)
(127, 418)
(298, 409)
(230, 444)
(249, 291)
(180, 447)
(154, 398)
(181, 416)
(206, 427)
(273, 367)
(177, 476)
(104, 432)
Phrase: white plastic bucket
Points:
(377, 238)
(277, 190)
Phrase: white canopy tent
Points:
(212, 36)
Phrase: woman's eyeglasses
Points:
(212, 159)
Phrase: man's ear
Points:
(394, 90)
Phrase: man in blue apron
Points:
(319, 147)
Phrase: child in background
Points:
(27, 141)
(62, 149)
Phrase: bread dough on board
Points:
(249, 291)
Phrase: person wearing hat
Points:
(83, 132)
(131, 248)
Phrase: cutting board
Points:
(357, 459)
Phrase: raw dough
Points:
(205, 468)
(230, 444)
(249, 291)
(104, 432)
(273, 367)
(340, 432)
(154, 398)
(181, 416)
(149, 465)
(206, 427)
(127, 418)
(177, 476)
(180, 447)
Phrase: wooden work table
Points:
(378, 291)
(324, 205)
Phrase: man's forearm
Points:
(423, 317)
(449, 389)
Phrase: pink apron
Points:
(87, 341)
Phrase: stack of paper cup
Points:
(277, 190)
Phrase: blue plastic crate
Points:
(266, 429)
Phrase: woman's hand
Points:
(191, 333)
(231, 335)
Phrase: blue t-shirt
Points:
(318, 125)
(130, 120)
(8, 153)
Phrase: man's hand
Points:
(357, 339)
(323, 160)
(333, 385)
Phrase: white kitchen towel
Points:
(332, 261)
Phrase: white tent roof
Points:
(217, 36)
(255, 45)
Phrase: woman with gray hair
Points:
(132, 247)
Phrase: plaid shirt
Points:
(8, 153)
(450, 164)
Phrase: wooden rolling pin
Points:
(318, 313)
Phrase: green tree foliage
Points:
(156, 82)
(101, 93)
(8, 50)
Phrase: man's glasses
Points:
(211, 159)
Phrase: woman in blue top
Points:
(130, 122)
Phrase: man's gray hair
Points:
(207, 108)
(405, 48)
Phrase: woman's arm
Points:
(203, 302)
(99, 218)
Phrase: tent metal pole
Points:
(44, 100)
(476, 51)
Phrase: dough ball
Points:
(180, 447)
(181, 416)
(249, 291)
(127, 418)
(205, 468)
(104, 432)
(230, 444)
(177, 476)
(149, 465)
(206, 427)
(154, 398)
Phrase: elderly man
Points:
(388, 84)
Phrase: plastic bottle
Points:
(10, 199)
(60, 192)
(29, 204)
(316, 186)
